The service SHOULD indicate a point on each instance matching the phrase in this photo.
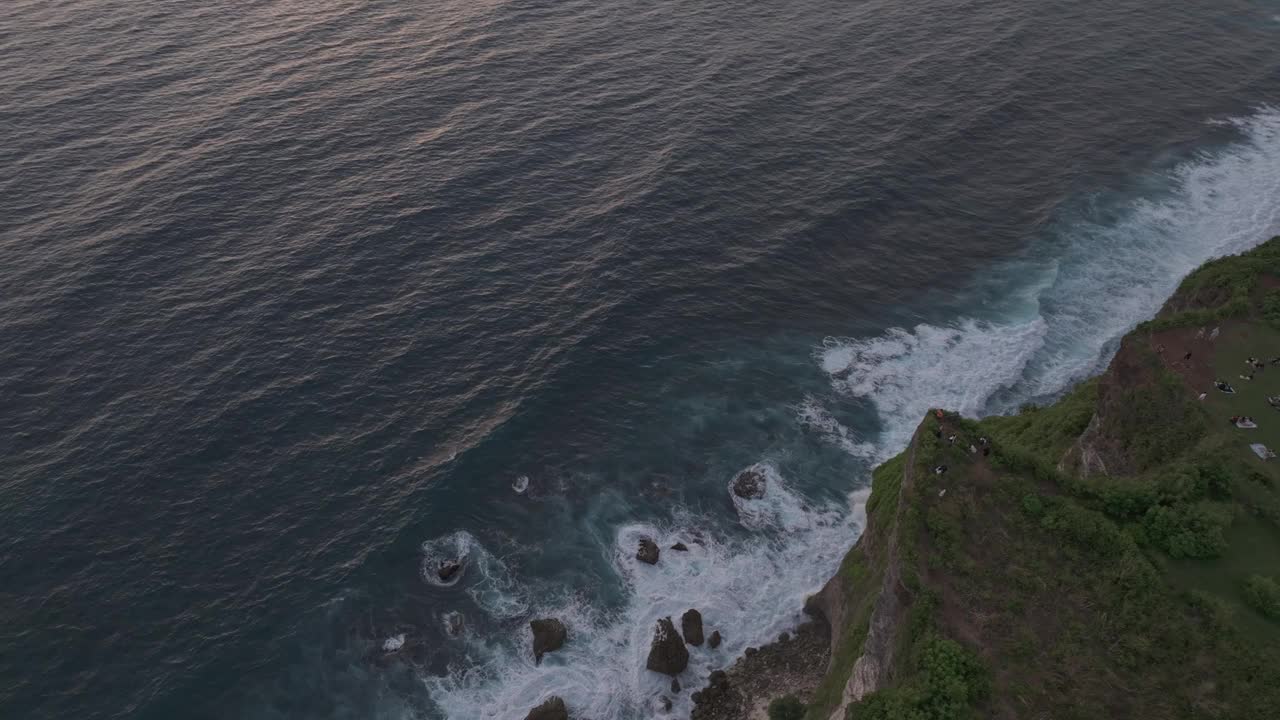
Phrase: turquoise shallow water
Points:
(291, 295)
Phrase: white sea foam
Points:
(780, 508)
(1110, 274)
(1061, 316)
(813, 415)
(904, 373)
(486, 577)
(750, 593)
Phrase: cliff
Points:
(1113, 555)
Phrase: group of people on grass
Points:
(1245, 421)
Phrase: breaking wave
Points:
(1105, 266)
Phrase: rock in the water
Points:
(393, 643)
(664, 704)
(667, 654)
(648, 552)
(680, 547)
(750, 651)
(714, 641)
(749, 485)
(552, 709)
(454, 623)
(448, 569)
(548, 636)
(691, 626)
(675, 685)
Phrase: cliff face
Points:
(854, 600)
(1087, 559)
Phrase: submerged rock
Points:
(667, 653)
(713, 642)
(681, 547)
(648, 552)
(675, 685)
(749, 485)
(548, 636)
(448, 569)
(454, 623)
(552, 709)
(691, 626)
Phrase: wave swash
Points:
(1059, 322)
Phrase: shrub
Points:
(1033, 505)
(1086, 528)
(950, 681)
(1263, 595)
(787, 707)
(1271, 308)
(1187, 531)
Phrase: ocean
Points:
(298, 299)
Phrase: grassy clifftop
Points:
(1114, 555)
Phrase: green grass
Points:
(1034, 593)
(1048, 431)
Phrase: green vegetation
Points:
(1263, 595)
(787, 707)
(1034, 590)
(1048, 431)
(1220, 290)
(859, 575)
(948, 681)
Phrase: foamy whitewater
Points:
(1068, 302)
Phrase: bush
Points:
(1087, 529)
(1033, 505)
(1187, 531)
(1271, 308)
(950, 682)
(787, 707)
(1263, 595)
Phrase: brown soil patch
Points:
(1172, 346)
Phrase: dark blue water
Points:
(291, 294)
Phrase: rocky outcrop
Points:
(743, 691)
(648, 551)
(1146, 411)
(454, 624)
(548, 636)
(750, 484)
(680, 547)
(713, 642)
(1088, 454)
(691, 626)
(552, 709)
(667, 653)
(448, 570)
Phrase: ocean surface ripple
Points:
(299, 298)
